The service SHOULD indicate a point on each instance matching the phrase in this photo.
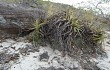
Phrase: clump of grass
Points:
(35, 36)
(37, 25)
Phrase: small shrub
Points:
(63, 32)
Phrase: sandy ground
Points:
(21, 55)
(29, 58)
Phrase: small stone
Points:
(1, 46)
(34, 56)
(44, 56)
(16, 55)
(108, 42)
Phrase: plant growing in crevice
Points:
(37, 25)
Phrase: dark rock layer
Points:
(18, 20)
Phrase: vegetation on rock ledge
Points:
(66, 32)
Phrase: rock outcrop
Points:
(18, 20)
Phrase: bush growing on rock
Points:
(66, 32)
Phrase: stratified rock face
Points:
(18, 20)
